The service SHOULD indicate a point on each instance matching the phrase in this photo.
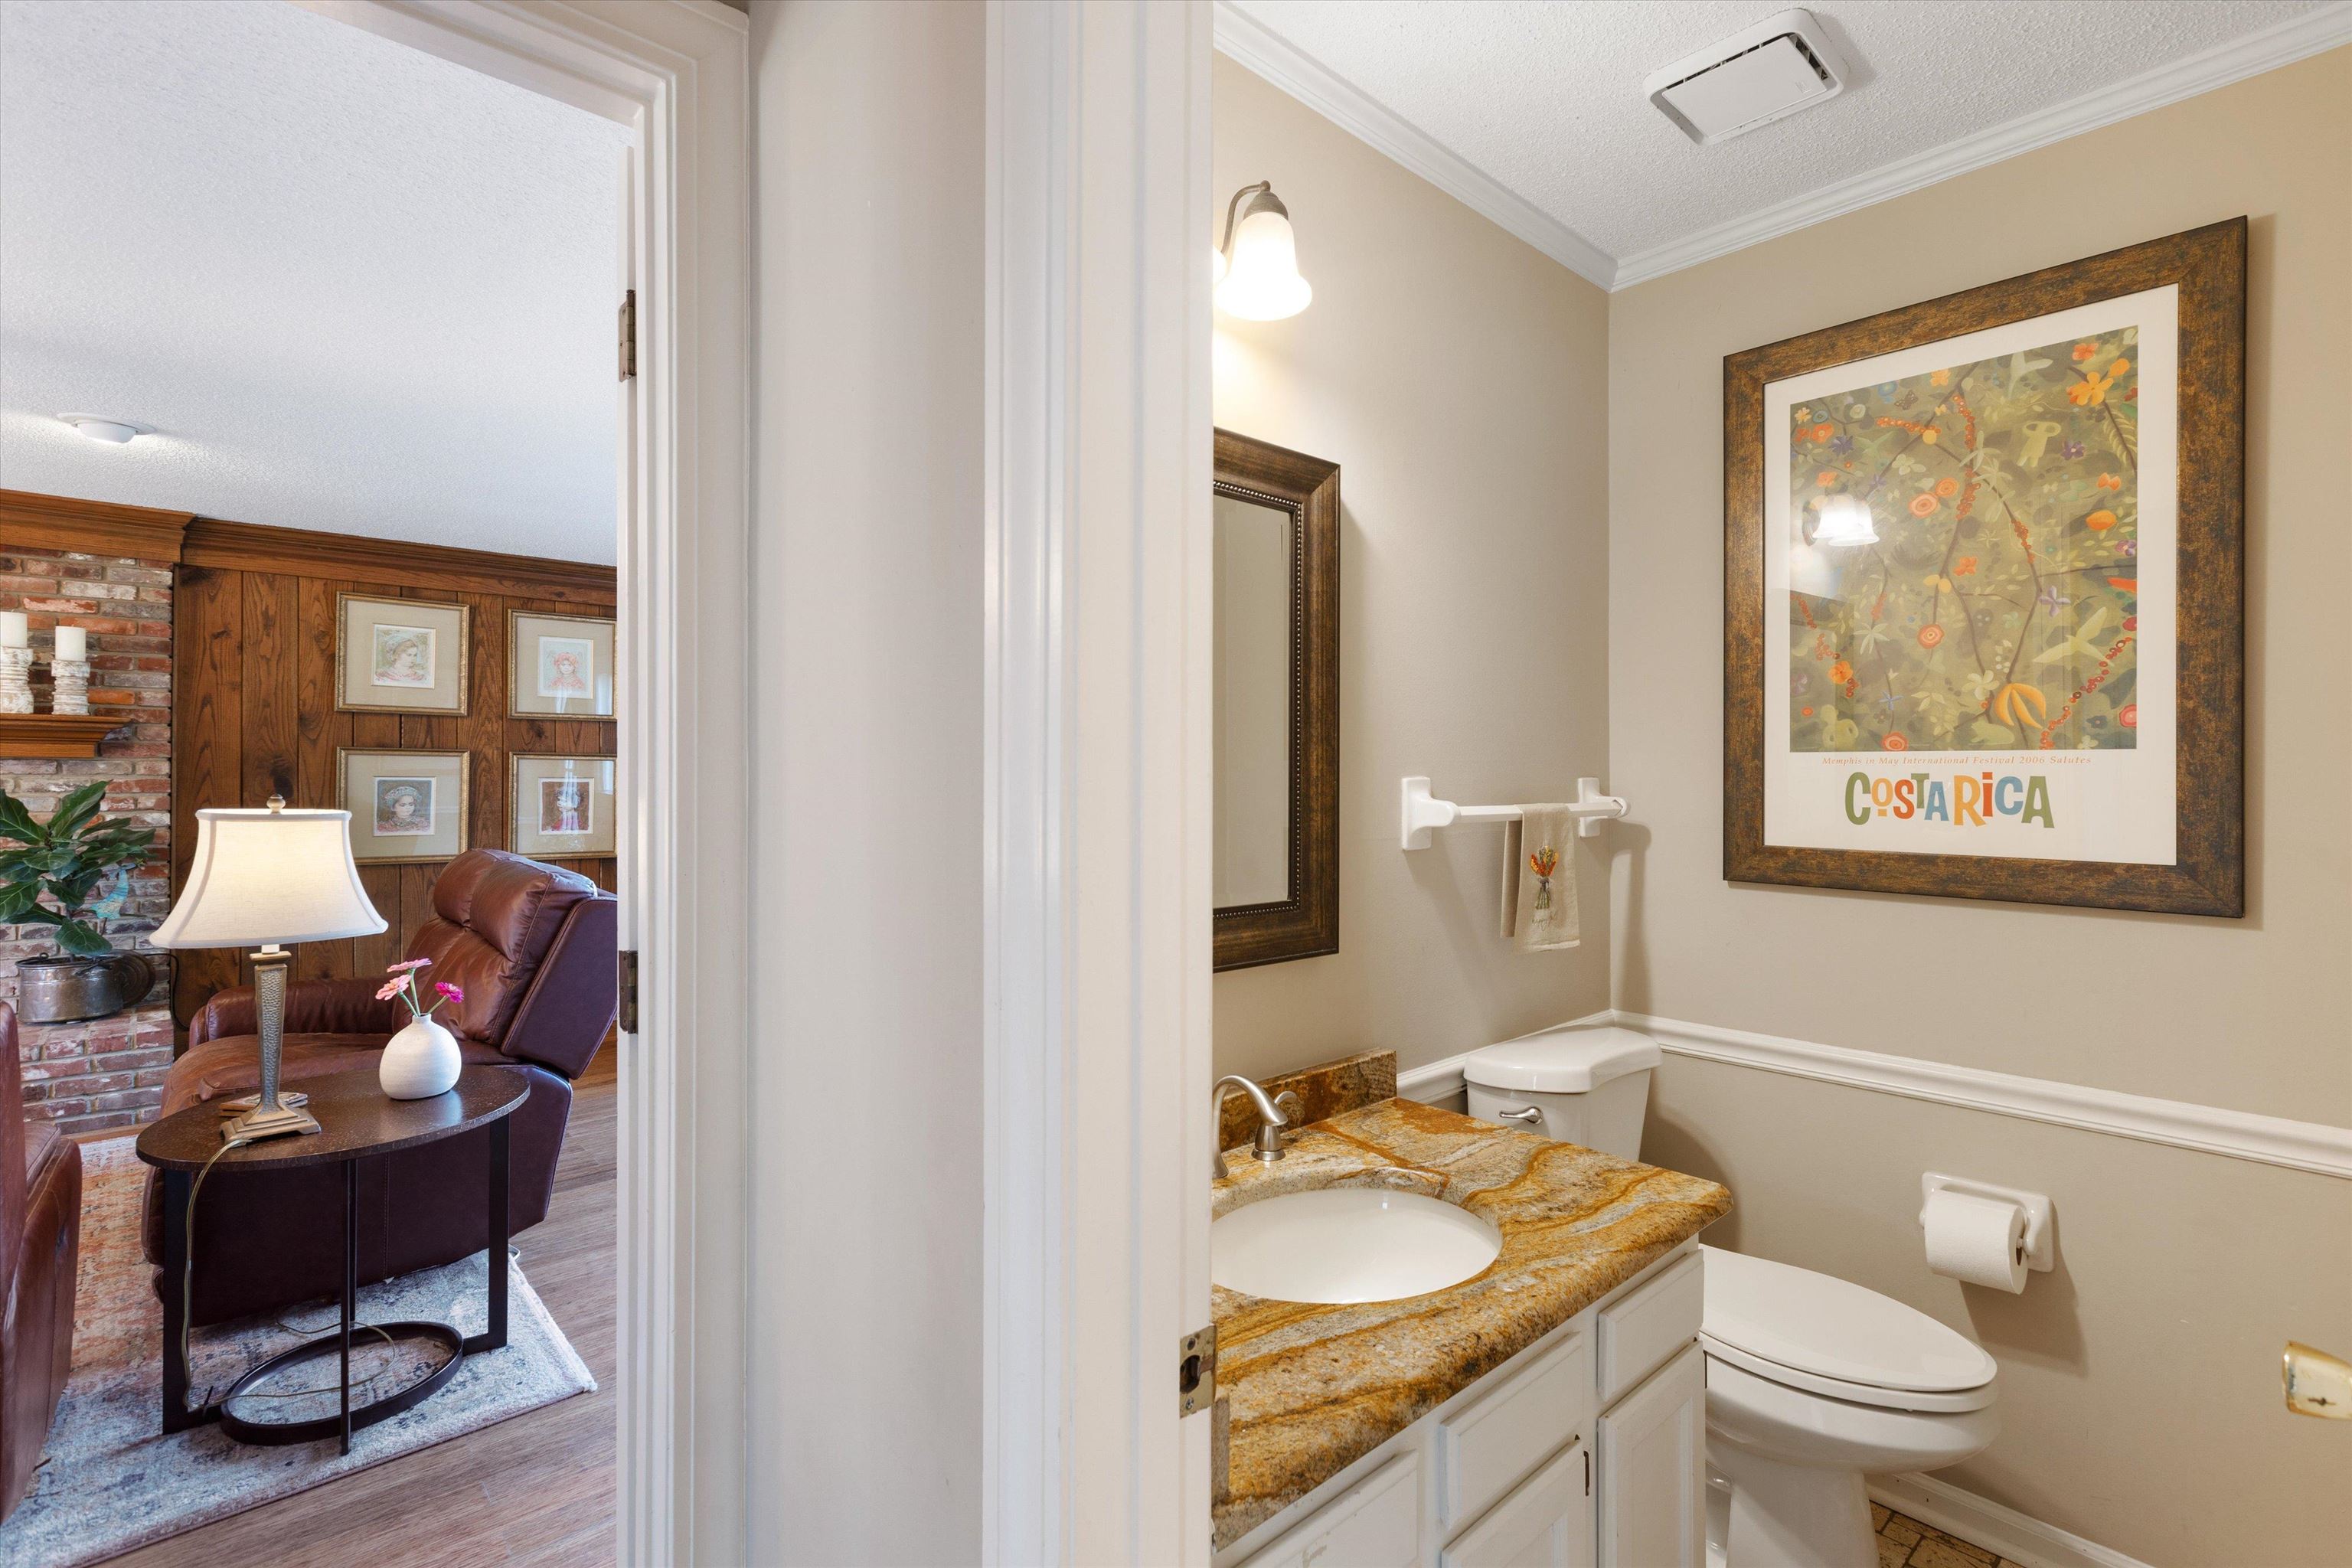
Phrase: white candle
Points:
(73, 642)
(14, 631)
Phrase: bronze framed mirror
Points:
(1277, 728)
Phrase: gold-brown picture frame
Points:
(403, 656)
(1997, 435)
(433, 785)
(532, 669)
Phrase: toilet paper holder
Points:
(2041, 1241)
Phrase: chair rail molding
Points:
(2313, 1146)
(680, 74)
(1095, 779)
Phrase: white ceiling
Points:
(1543, 101)
(352, 287)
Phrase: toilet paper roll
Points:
(1980, 1240)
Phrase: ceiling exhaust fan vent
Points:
(1760, 74)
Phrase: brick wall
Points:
(104, 1072)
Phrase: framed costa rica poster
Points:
(1984, 589)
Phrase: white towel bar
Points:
(1424, 811)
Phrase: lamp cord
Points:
(188, 1296)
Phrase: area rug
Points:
(109, 1481)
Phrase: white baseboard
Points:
(2021, 1539)
(2313, 1146)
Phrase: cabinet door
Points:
(1375, 1525)
(1652, 1462)
(1546, 1523)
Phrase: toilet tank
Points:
(1588, 1085)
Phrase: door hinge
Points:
(1196, 1370)
(627, 980)
(628, 334)
(1588, 1472)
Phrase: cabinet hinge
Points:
(627, 979)
(628, 334)
(1196, 1370)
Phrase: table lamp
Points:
(264, 878)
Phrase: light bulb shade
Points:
(1262, 282)
(262, 876)
(1845, 519)
(96, 428)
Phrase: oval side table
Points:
(356, 1121)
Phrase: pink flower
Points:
(392, 989)
(405, 966)
(454, 992)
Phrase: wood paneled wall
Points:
(254, 704)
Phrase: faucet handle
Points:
(1270, 1133)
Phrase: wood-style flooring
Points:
(538, 1489)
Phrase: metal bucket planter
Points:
(60, 990)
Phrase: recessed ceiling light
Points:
(114, 432)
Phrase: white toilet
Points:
(1812, 1381)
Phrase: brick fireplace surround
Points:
(106, 1072)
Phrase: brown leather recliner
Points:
(533, 946)
(40, 1248)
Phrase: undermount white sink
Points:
(1348, 1243)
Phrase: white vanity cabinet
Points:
(1584, 1450)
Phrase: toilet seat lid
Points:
(1834, 1328)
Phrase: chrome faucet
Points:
(1272, 1120)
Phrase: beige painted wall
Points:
(868, 182)
(1457, 377)
(2140, 1384)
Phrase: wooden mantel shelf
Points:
(56, 735)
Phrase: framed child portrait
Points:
(405, 807)
(400, 656)
(563, 807)
(558, 666)
(1984, 591)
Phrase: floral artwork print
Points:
(1996, 608)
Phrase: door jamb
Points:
(679, 73)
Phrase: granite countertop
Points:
(1314, 1388)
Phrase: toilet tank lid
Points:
(1562, 1061)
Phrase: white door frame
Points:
(1098, 758)
(678, 72)
(1098, 453)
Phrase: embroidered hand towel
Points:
(1539, 910)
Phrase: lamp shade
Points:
(272, 876)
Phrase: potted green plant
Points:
(65, 859)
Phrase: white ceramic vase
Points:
(420, 1061)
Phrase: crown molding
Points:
(2297, 38)
(34, 521)
(299, 552)
(1249, 43)
(2313, 1146)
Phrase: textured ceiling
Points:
(1546, 99)
(351, 286)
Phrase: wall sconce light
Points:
(1256, 269)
